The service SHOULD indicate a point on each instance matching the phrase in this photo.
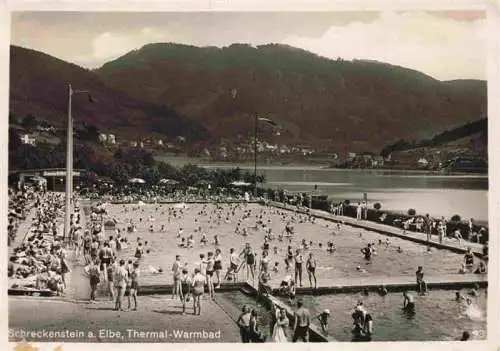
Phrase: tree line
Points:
(465, 130)
(120, 165)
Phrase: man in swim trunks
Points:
(120, 280)
(408, 303)
(311, 269)
(234, 261)
(301, 323)
(185, 282)
(176, 273)
(298, 267)
(421, 285)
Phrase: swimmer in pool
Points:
(475, 291)
(408, 303)
(323, 319)
(383, 291)
(459, 297)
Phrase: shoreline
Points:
(307, 165)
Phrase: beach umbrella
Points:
(240, 183)
(137, 181)
(168, 181)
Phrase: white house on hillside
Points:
(103, 138)
(423, 162)
(26, 139)
(111, 139)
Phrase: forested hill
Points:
(39, 86)
(345, 105)
(477, 130)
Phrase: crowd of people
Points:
(38, 261)
(132, 193)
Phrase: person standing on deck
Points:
(134, 285)
(301, 323)
(364, 210)
(120, 280)
(299, 260)
(176, 273)
(428, 227)
(93, 271)
(280, 327)
(358, 211)
(441, 231)
(244, 324)
(249, 260)
(421, 285)
(311, 270)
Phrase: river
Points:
(438, 195)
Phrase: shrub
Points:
(109, 224)
(456, 218)
(377, 206)
(412, 212)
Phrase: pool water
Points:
(438, 316)
(330, 267)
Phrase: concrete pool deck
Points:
(155, 314)
(157, 310)
(354, 285)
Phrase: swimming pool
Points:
(162, 246)
(438, 316)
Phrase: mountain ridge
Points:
(214, 93)
(317, 100)
(39, 86)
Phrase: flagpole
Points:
(69, 168)
(255, 157)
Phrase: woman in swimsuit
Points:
(134, 285)
(264, 262)
(218, 266)
(198, 285)
(210, 262)
(249, 260)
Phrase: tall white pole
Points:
(69, 169)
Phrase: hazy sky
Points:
(445, 45)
